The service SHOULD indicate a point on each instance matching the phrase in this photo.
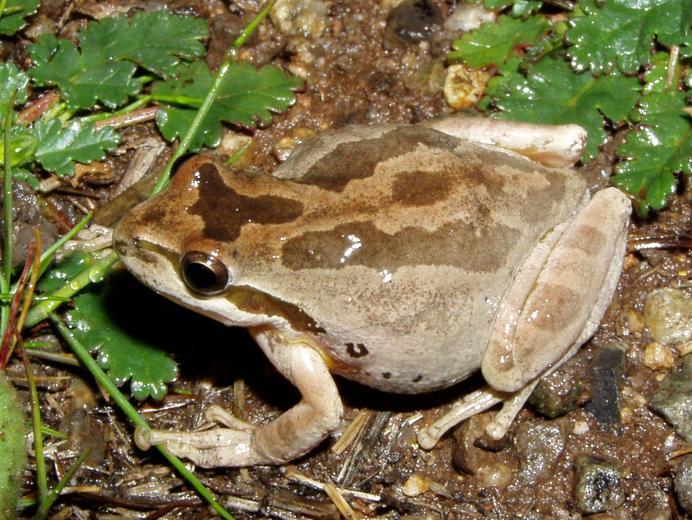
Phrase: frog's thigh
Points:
(551, 145)
(543, 322)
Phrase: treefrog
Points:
(404, 257)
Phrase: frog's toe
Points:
(219, 415)
(142, 438)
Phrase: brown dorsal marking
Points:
(257, 302)
(358, 159)
(474, 247)
(224, 211)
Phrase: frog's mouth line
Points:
(247, 299)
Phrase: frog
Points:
(405, 257)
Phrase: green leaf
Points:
(492, 43)
(155, 41)
(16, 11)
(621, 33)
(64, 271)
(84, 81)
(519, 7)
(551, 92)
(248, 96)
(657, 149)
(11, 80)
(102, 70)
(104, 323)
(59, 147)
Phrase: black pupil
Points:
(201, 277)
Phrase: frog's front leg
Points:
(291, 435)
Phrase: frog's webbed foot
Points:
(291, 435)
(473, 404)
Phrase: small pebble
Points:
(580, 427)
(683, 483)
(658, 356)
(414, 486)
(668, 315)
(467, 17)
(538, 445)
(412, 21)
(307, 18)
(284, 147)
(464, 86)
(673, 399)
(607, 375)
(598, 485)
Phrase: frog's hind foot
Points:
(473, 404)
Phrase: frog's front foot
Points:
(208, 449)
(229, 446)
(292, 434)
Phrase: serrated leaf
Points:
(621, 33)
(59, 147)
(492, 43)
(552, 93)
(14, 16)
(155, 41)
(84, 81)
(247, 96)
(103, 323)
(519, 7)
(657, 149)
(11, 80)
(102, 70)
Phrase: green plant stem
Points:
(141, 102)
(121, 401)
(173, 99)
(220, 76)
(7, 216)
(41, 478)
(92, 273)
(48, 502)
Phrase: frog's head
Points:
(183, 243)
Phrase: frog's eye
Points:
(203, 273)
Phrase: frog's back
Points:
(404, 247)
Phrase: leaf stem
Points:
(7, 214)
(93, 273)
(48, 502)
(220, 76)
(121, 401)
(41, 478)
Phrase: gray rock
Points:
(668, 315)
(599, 484)
(558, 394)
(683, 483)
(538, 446)
(673, 399)
(607, 374)
(413, 21)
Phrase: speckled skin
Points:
(390, 251)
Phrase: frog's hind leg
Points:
(545, 318)
(551, 145)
